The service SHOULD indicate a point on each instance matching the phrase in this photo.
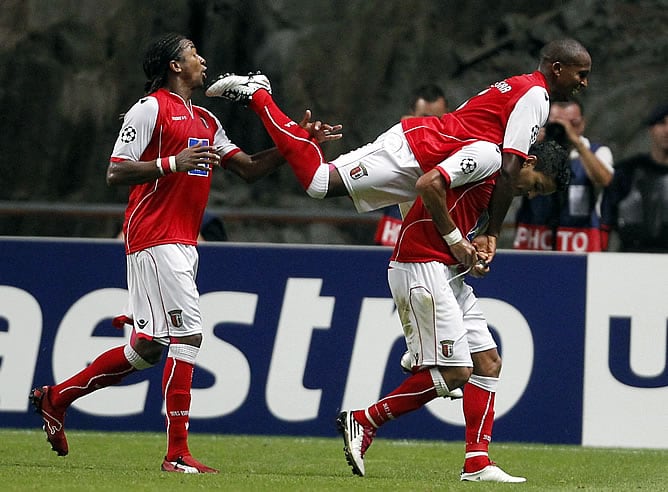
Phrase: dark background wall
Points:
(70, 68)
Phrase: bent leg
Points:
(302, 153)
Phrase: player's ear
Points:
(174, 66)
(530, 161)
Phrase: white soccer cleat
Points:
(407, 367)
(491, 473)
(238, 88)
(356, 440)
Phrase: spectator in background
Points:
(568, 221)
(426, 100)
(635, 205)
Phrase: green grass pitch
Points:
(100, 461)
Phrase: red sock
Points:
(109, 368)
(417, 390)
(303, 154)
(479, 417)
(177, 381)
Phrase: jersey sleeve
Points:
(137, 130)
(528, 115)
(473, 162)
(221, 141)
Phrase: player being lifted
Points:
(507, 115)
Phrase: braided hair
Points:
(156, 60)
(553, 162)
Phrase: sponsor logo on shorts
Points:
(468, 165)
(447, 348)
(358, 172)
(176, 317)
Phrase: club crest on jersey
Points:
(128, 134)
(176, 317)
(203, 169)
(358, 172)
(447, 348)
(468, 165)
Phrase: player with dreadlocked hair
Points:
(157, 58)
(166, 152)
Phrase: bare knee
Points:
(336, 186)
(487, 363)
(455, 377)
(148, 350)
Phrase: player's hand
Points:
(465, 253)
(197, 156)
(486, 247)
(480, 269)
(322, 132)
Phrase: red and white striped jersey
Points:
(509, 113)
(169, 209)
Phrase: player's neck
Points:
(181, 90)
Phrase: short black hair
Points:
(428, 92)
(567, 51)
(159, 53)
(552, 160)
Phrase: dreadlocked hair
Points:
(553, 162)
(156, 60)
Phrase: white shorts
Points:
(384, 172)
(439, 314)
(163, 297)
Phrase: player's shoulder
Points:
(145, 103)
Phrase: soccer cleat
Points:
(491, 473)
(356, 440)
(186, 464)
(406, 366)
(54, 420)
(238, 88)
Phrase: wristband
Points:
(172, 163)
(157, 163)
(166, 165)
(453, 237)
